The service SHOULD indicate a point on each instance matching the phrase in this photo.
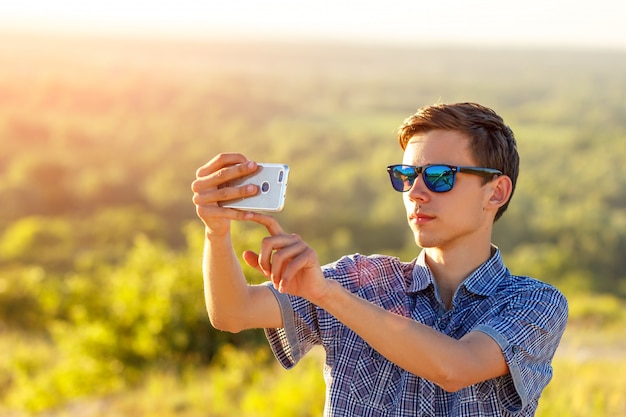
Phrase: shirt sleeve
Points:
(528, 331)
(304, 324)
(299, 332)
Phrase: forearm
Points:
(225, 286)
(232, 304)
(419, 349)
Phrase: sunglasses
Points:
(438, 178)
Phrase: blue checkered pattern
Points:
(524, 316)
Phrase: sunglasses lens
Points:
(439, 178)
(402, 177)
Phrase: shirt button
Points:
(442, 325)
(375, 355)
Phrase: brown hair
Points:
(492, 143)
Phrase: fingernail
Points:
(251, 165)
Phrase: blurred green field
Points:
(589, 380)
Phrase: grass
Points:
(589, 369)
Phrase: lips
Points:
(420, 218)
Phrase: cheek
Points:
(461, 207)
(470, 213)
(405, 199)
(409, 204)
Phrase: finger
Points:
(215, 211)
(252, 259)
(271, 224)
(305, 259)
(220, 161)
(214, 175)
(215, 195)
(283, 267)
(277, 253)
(268, 247)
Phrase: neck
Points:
(450, 267)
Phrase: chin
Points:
(424, 240)
(423, 243)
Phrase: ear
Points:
(501, 189)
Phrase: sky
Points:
(573, 23)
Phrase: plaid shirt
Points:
(524, 316)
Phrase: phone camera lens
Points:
(265, 187)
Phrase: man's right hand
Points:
(207, 192)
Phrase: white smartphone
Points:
(272, 182)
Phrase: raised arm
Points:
(231, 303)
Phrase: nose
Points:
(419, 191)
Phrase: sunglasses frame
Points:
(417, 170)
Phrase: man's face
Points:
(454, 218)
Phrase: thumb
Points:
(252, 259)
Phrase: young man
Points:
(451, 333)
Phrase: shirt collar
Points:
(483, 281)
(422, 276)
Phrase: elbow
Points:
(450, 380)
(451, 385)
(225, 324)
